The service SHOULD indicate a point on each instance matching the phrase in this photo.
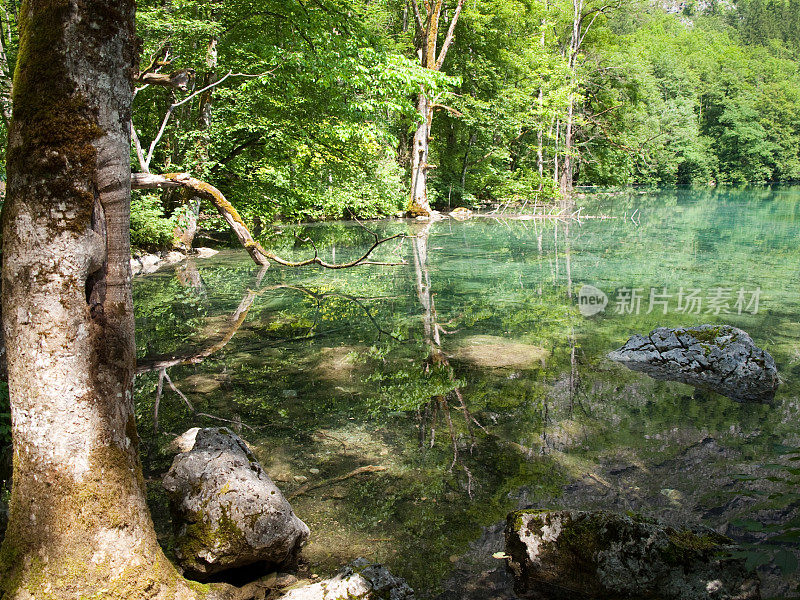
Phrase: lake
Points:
(473, 378)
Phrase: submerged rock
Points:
(150, 263)
(494, 352)
(204, 252)
(720, 358)
(360, 580)
(226, 510)
(461, 213)
(147, 263)
(569, 555)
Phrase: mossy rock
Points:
(226, 510)
(566, 555)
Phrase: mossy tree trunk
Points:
(79, 525)
(419, 204)
(427, 17)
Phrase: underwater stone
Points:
(226, 510)
(719, 358)
(360, 580)
(570, 555)
(204, 252)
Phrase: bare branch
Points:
(139, 152)
(448, 40)
(449, 109)
(417, 15)
(172, 108)
(595, 13)
(177, 391)
(190, 97)
(216, 418)
(313, 486)
(359, 261)
(160, 58)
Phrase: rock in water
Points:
(227, 511)
(569, 555)
(361, 580)
(720, 358)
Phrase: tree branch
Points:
(178, 80)
(259, 255)
(417, 15)
(139, 152)
(146, 165)
(449, 109)
(448, 40)
(313, 486)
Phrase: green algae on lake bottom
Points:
(471, 375)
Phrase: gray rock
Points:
(226, 510)
(173, 257)
(204, 252)
(360, 580)
(145, 264)
(719, 358)
(568, 555)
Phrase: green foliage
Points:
(307, 127)
(150, 229)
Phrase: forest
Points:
(303, 111)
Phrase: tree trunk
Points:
(419, 161)
(565, 183)
(465, 165)
(79, 525)
(426, 41)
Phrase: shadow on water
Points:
(410, 408)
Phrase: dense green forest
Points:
(304, 110)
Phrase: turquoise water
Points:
(470, 380)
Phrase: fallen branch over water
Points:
(355, 472)
(227, 211)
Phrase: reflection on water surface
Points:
(472, 379)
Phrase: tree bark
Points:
(426, 40)
(79, 525)
(419, 205)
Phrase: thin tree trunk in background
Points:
(186, 230)
(540, 146)
(426, 41)
(419, 160)
(565, 182)
(565, 177)
(556, 171)
(79, 526)
(540, 99)
(472, 139)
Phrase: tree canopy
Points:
(307, 110)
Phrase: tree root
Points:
(304, 489)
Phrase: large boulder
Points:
(361, 580)
(567, 555)
(720, 358)
(226, 510)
